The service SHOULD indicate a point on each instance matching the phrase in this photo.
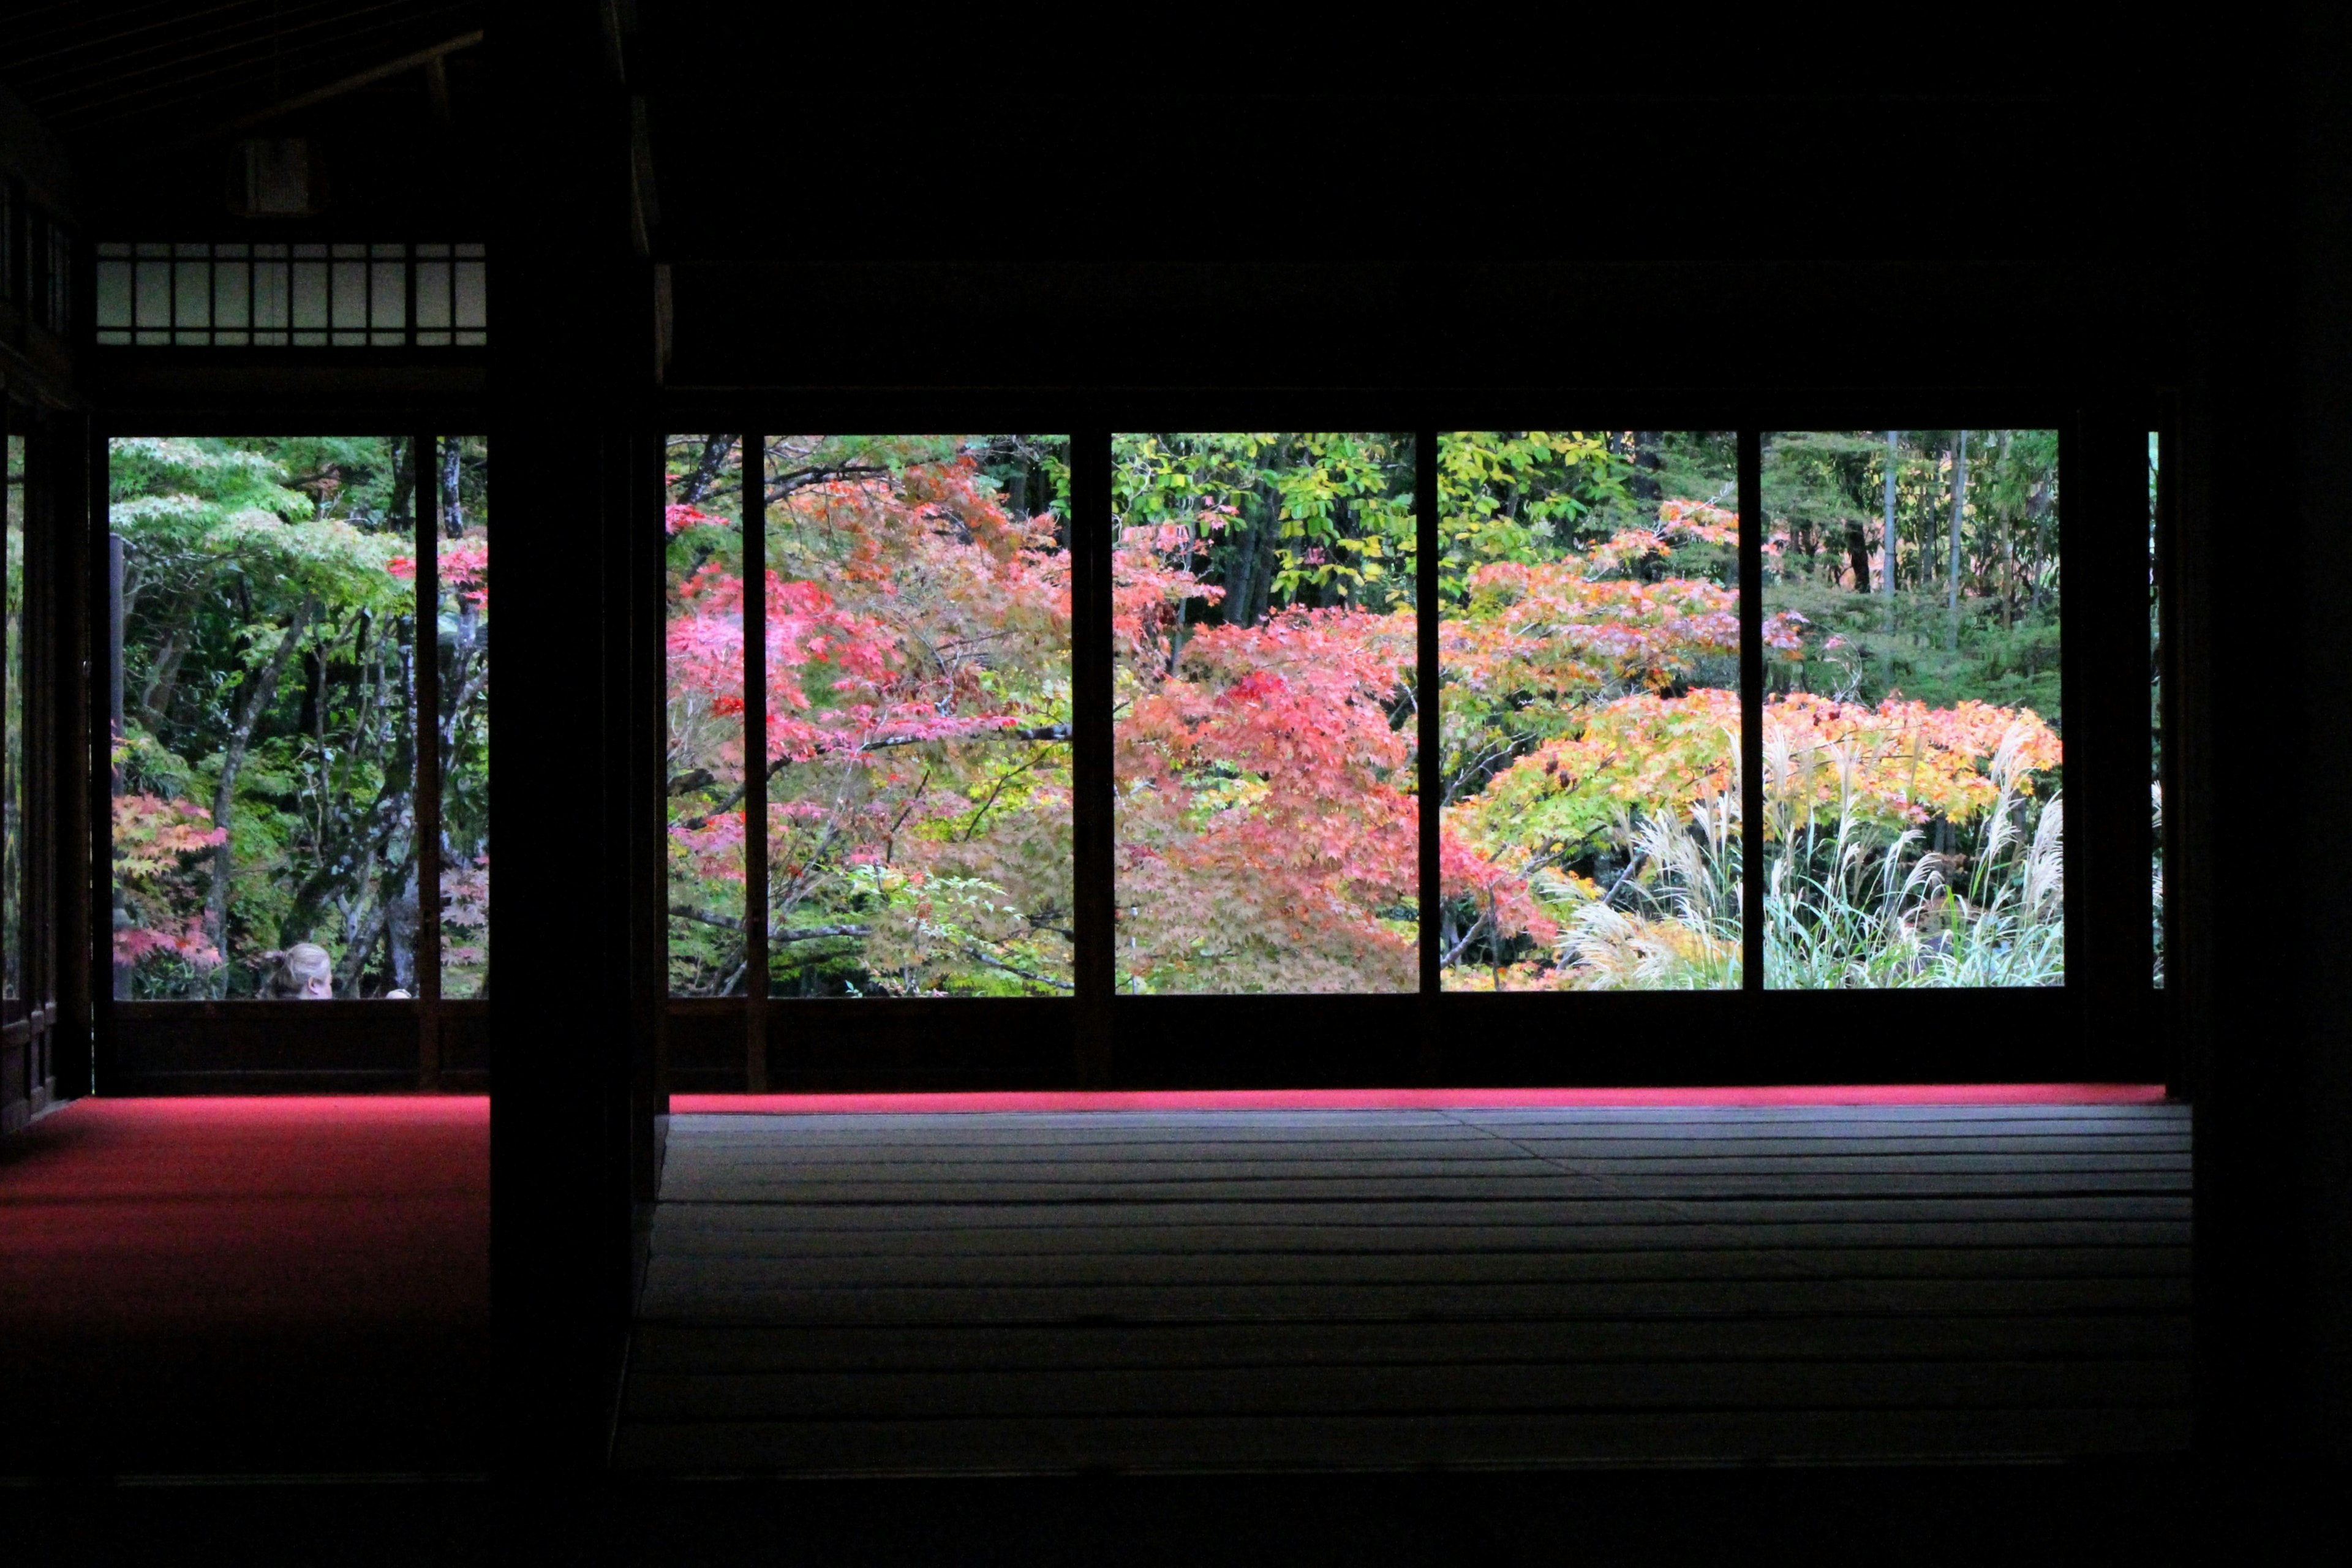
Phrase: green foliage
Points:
(1825, 504)
(1317, 520)
(1849, 651)
(268, 660)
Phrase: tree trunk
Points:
(400, 940)
(345, 861)
(453, 517)
(1959, 506)
(256, 703)
(163, 683)
(379, 923)
(691, 490)
(1234, 608)
(1268, 548)
(1643, 486)
(404, 480)
(1893, 456)
(2037, 507)
(2007, 555)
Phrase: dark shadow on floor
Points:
(2139, 1516)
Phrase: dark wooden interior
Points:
(697, 219)
(1165, 1291)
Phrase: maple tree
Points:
(1590, 831)
(915, 612)
(917, 625)
(1265, 787)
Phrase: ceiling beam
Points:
(430, 59)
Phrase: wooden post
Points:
(1428, 732)
(1093, 849)
(1752, 710)
(755, 763)
(85, 909)
(559, 1242)
(645, 689)
(425, 702)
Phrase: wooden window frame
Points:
(427, 1043)
(365, 273)
(2104, 1023)
(29, 1021)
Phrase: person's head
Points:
(305, 972)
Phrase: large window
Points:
(1359, 715)
(1591, 690)
(868, 754)
(1268, 798)
(300, 658)
(1914, 797)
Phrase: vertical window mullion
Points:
(425, 680)
(755, 762)
(1093, 851)
(1751, 710)
(39, 857)
(18, 936)
(1428, 767)
(2168, 695)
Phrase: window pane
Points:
(232, 293)
(1590, 707)
(192, 304)
(1264, 740)
(704, 763)
(12, 803)
(1913, 776)
(266, 740)
(463, 635)
(919, 713)
(154, 294)
(433, 294)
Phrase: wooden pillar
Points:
(1094, 848)
(75, 512)
(646, 685)
(561, 392)
(2267, 552)
(424, 457)
(2103, 492)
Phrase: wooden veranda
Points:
(1390, 1289)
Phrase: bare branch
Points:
(735, 796)
(795, 933)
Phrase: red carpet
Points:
(1427, 1098)
(285, 1284)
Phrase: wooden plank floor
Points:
(1011, 1293)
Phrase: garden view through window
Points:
(1264, 624)
(914, 626)
(1913, 772)
(269, 838)
(1267, 590)
(1590, 694)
